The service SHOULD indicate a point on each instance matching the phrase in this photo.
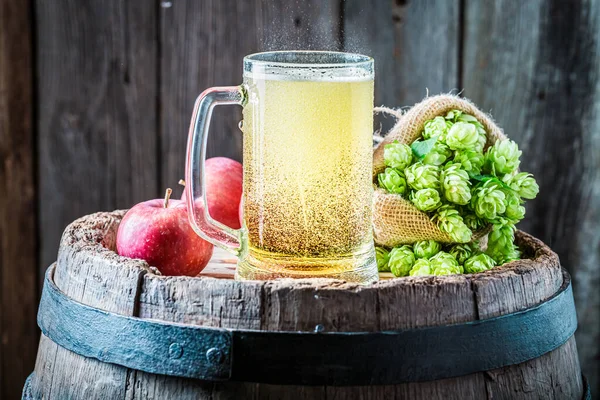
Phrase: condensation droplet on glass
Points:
(241, 125)
(319, 328)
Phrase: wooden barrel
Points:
(91, 276)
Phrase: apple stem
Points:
(167, 197)
(181, 182)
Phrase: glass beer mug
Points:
(307, 139)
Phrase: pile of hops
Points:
(462, 184)
(429, 257)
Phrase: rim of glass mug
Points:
(309, 65)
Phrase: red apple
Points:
(241, 213)
(223, 190)
(158, 231)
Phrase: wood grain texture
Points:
(203, 44)
(91, 272)
(97, 110)
(527, 285)
(415, 45)
(18, 241)
(102, 279)
(535, 65)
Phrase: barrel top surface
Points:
(297, 304)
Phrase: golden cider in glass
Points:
(307, 177)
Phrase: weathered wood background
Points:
(96, 95)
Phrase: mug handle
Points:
(203, 224)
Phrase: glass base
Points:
(360, 268)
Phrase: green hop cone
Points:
(401, 260)
(482, 138)
(462, 135)
(514, 210)
(426, 200)
(455, 184)
(524, 184)
(436, 127)
(444, 264)
(502, 158)
(448, 220)
(422, 176)
(422, 267)
(481, 141)
(512, 255)
(479, 263)
(393, 181)
(488, 200)
(467, 118)
(426, 248)
(397, 155)
(383, 257)
(461, 252)
(453, 115)
(469, 160)
(438, 155)
(472, 221)
(501, 242)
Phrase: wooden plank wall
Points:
(536, 66)
(114, 82)
(97, 110)
(18, 238)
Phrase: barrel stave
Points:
(89, 271)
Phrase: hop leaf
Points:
(501, 242)
(397, 155)
(422, 176)
(436, 127)
(502, 158)
(444, 264)
(392, 180)
(401, 260)
(421, 148)
(479, 263)
(524, 184)
(426, 200)
(488, 200)
(383, 257)
(461, 252)
(469, 160)
(422, 267)
(462, 135)
(438, 154)
(455, 184)
(449, 221)
(426, 248)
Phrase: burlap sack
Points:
(397, 221)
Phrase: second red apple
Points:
(224, 178)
